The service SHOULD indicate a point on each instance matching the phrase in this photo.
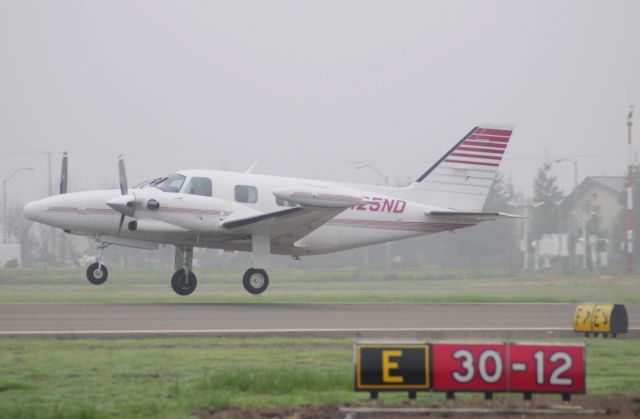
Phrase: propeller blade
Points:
(63, 173)
(120, 225)
(124, 190)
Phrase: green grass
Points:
(315, 285)
(83, 378)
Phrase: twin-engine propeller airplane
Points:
(279, 215)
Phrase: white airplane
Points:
(276, 215)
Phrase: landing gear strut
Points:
(97, 273)
(255, 281)
(183, 280)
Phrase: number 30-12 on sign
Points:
(547, 368)
(469, 367)
(527, 368)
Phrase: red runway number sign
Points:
(464, 367)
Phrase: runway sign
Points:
(471, 367)
(600, 318)
(392, 367)
(547, 368)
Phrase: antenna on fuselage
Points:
(253, 165)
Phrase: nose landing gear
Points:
(97, 273)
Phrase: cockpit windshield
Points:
(171, 183)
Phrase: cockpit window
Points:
(172, 183)
(199, 186)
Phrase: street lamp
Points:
(525, 204)
(575, 170)
(4, 201)
(375, 169)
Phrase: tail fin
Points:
(462, 178)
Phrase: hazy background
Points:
(310, 88)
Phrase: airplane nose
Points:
(34, 210)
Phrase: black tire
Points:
(255, 281)
(182, 287)
(97, 274)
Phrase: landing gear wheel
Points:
(180, 285)
(97, 274)
(255, 281)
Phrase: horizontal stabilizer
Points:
(471, 216)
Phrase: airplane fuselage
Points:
(183, 218)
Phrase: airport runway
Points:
(362, 319)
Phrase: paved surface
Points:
(516, 320)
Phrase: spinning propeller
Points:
(125, 204)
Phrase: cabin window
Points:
(171, 183)
(199, 186)
(248, 194)
(284, 203)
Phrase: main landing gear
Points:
(184, 281)
(255, 281)
(97, 273)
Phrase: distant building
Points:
(595, 201)
(591, 211)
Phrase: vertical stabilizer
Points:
(462, 178)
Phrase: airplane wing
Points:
(315, 208)
(470, 216)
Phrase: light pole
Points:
(575, 170)
(525, 203)
(4, 201)
(630, 210)
(382, 175)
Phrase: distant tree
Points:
(489, 244)
(501, 195)
(544, 219)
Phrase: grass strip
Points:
(177, 377)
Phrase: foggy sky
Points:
(311, 88)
